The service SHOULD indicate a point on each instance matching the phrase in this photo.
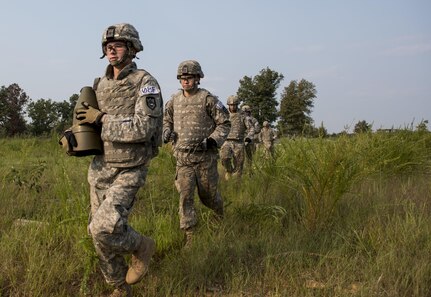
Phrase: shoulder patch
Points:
(151, 102)
(150, 90)
(220, 106)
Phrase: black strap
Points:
(96, 83)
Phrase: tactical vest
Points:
(118, 97)
(191, 119)
(267, 135)
(238, 128)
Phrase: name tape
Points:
(150, 90)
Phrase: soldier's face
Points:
(115, 52)
(188, 82)
(233, 107)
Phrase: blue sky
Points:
(369, 60)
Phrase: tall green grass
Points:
(348, 216)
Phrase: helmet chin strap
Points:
(116, 63)
(196, 85)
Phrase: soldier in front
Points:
(130, 116)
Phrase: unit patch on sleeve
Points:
(151, 102)
(220, 106)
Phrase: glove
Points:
(166, 135)
(71, 140)
(169, 135)
(211, 143)
(247, 140)
(208, 144)
(88, 114)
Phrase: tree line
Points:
(46, 116)
(290, 115)
(260, 92)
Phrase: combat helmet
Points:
(265, 124)
(232, 100)
(190, 67)
(122, 32)
(246, 108)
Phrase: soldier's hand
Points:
(174, 136)
(169, 135)
(88, 114)
(208, 144)
(166, 135)
(211, 143)
(70, 139)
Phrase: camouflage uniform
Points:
(131, 134)
(266, 137)
(232, 151)
(250, 148)
(195, 119)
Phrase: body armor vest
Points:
(267, 135)
(118, 97)
(191, 119)
(238, 128)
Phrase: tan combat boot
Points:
(141, 260)
(123, 291)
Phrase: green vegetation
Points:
(346, 216)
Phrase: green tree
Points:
(297, 102)
(44, 116)
(12, 109)
(48, 116)
(65, 111)
(362, 127)
(260, 93)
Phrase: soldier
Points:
(130, 116)
(197, 123)
(266, 137)
(250, 148)
(241, 133)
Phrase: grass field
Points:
(349, 216)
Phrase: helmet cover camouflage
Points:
(190, 67)
(265, 124)
(246, 108)
(122, 32)
(232, 100)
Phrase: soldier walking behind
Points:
(267, 137)
(242, 131)
(250, 148)
(197, 123)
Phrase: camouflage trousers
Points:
(232, 156)
(197, 170)
(250, 149)
(112, 194)
(268, 148)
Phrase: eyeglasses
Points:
(187, 78)
(115, 47)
